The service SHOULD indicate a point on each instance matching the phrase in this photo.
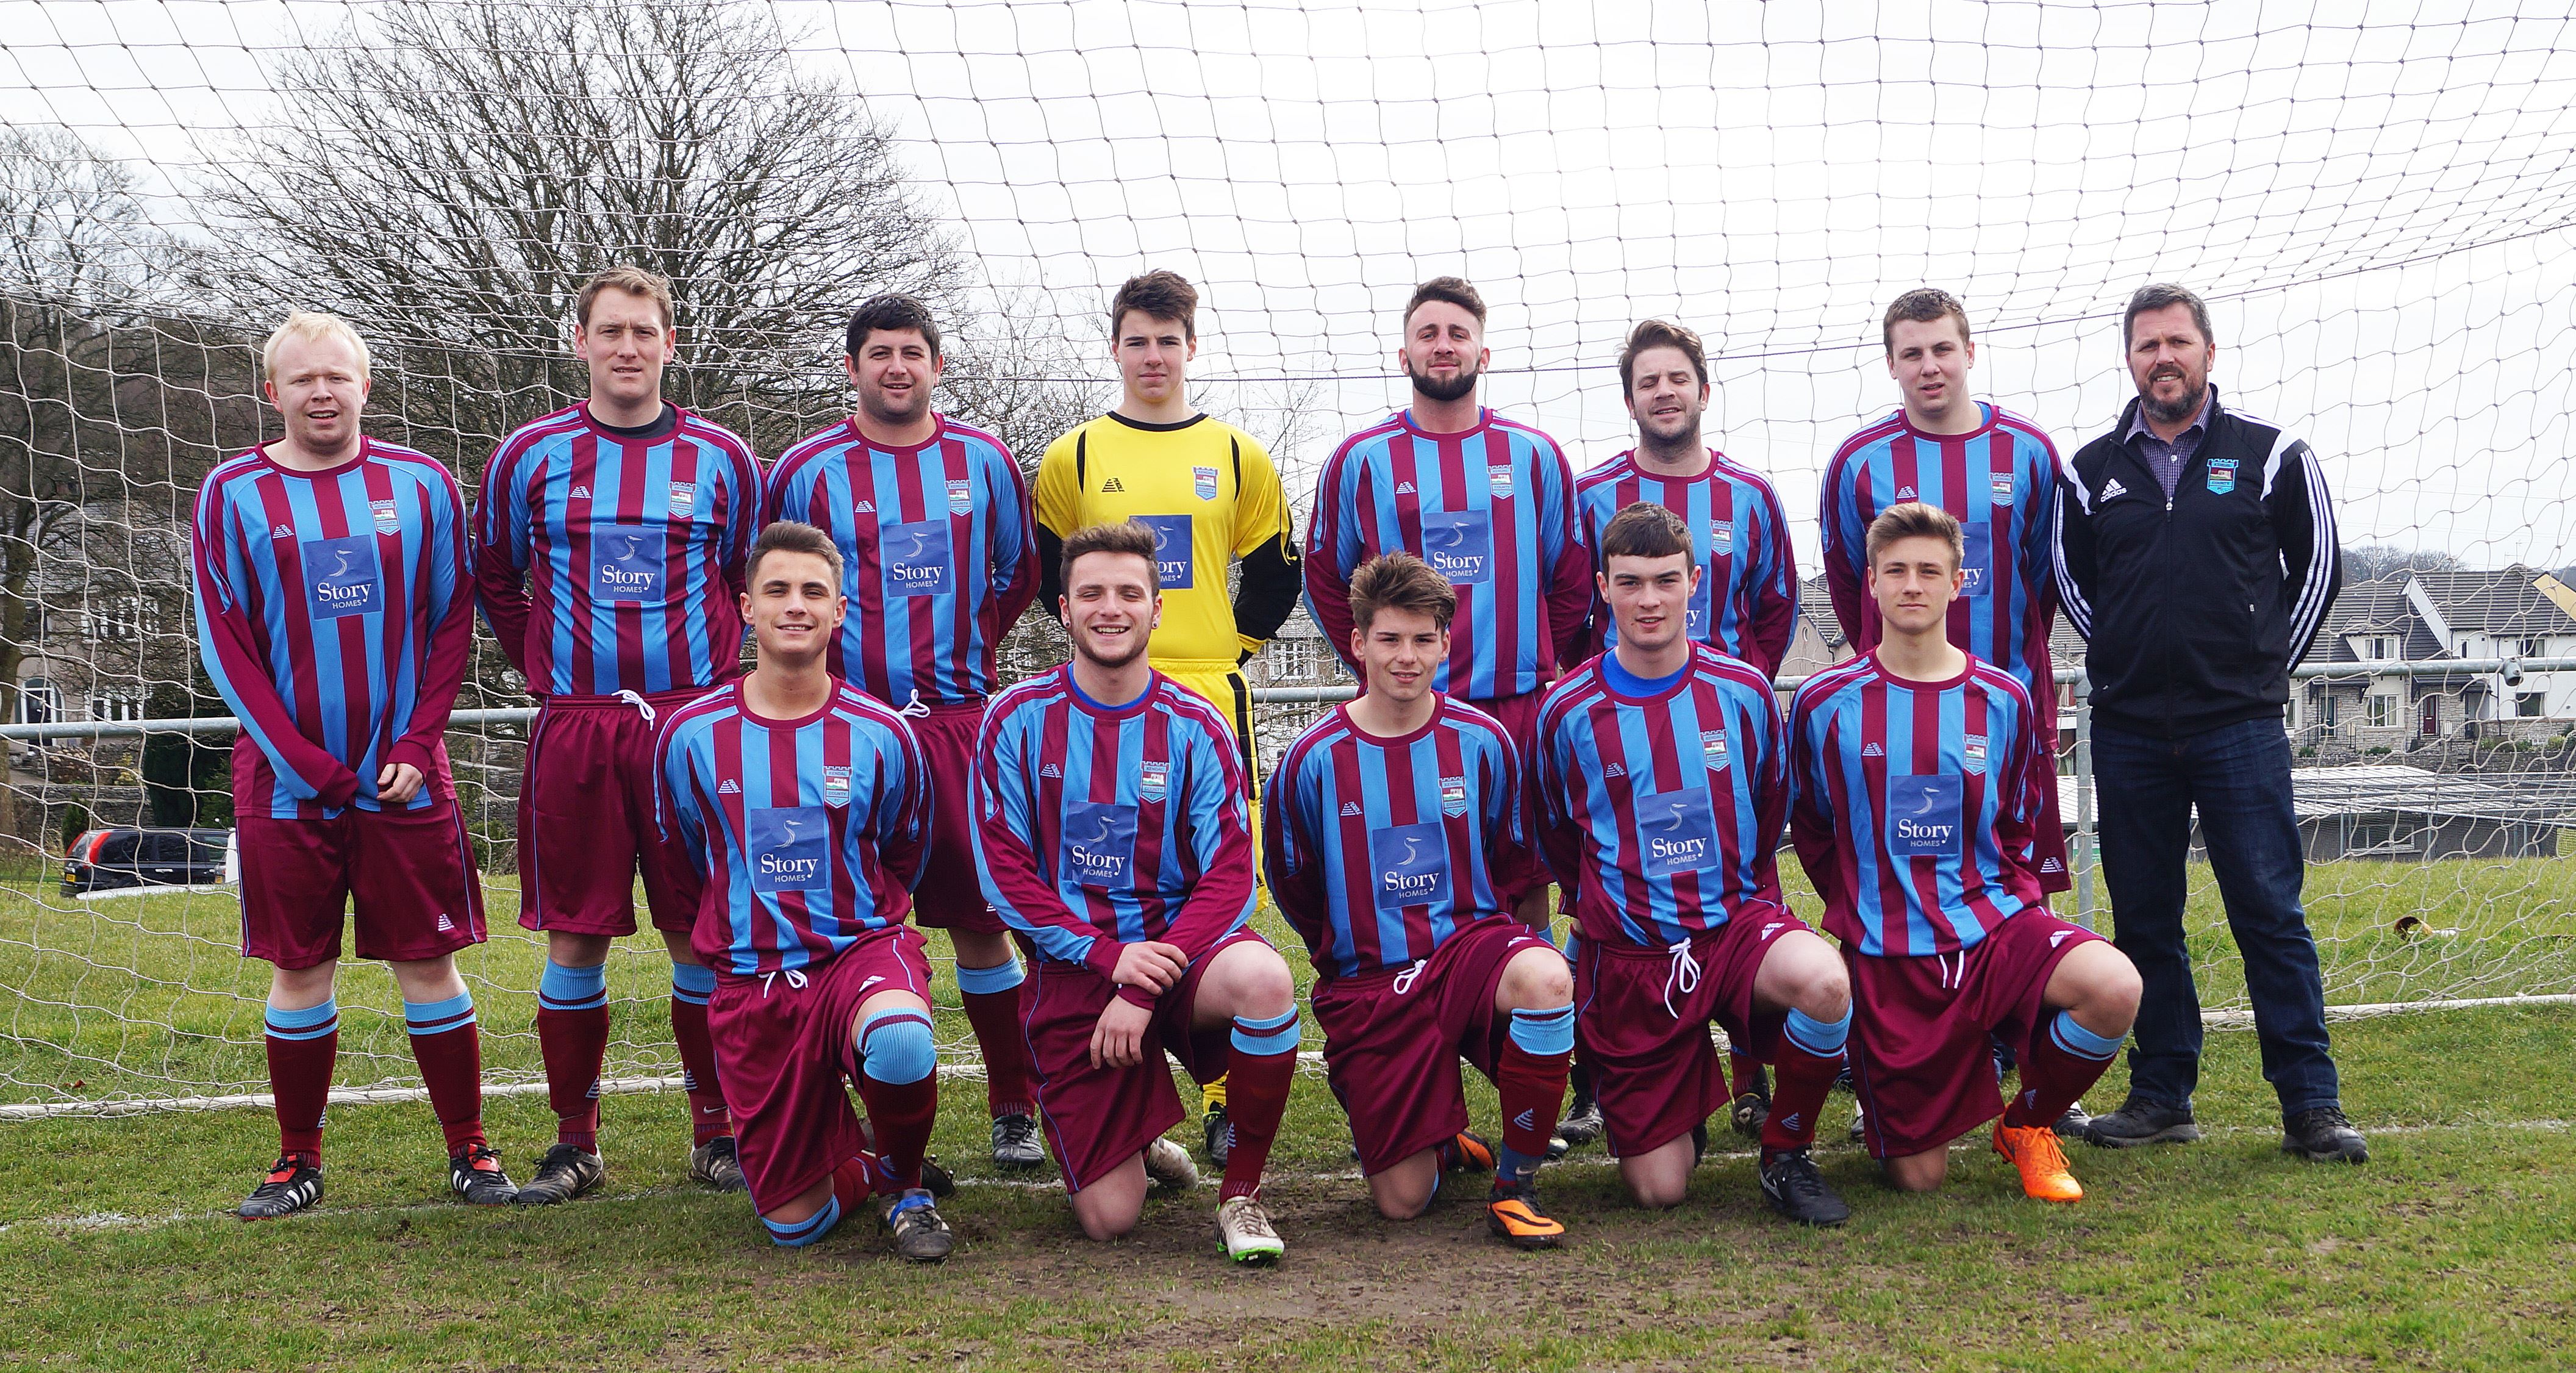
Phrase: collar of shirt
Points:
(2199, 423)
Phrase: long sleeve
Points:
(237, 660)
(2021, 809)
(501, 558)
(1332, 551)
(1846, 550)
(1569, 582)
(903, 829)
(1774, 579)
(1288, 858)
(1055, 506)
(1560, 838)
(2303, 523)
(1015, 547)
(1265, 544)
(742, 529)
(1811, 823)
(1770, 795)
(450, 619)
(675, 797)
(1220, 837)
(2071, 542)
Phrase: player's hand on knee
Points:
(1118, 1041)
(1150, 964)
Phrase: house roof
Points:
(2065, 646)
(2499, 601)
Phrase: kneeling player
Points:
(807, 808)
(1384, 822)
(1662, 769)
(1918, 796)
(1110, 830)
(333, 614)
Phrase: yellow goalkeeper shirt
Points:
(1212, 496)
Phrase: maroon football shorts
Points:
(1920, 1056)
(951, 893)
(1098, 1117)
(1518, 869)
(782, 1044)
(587, 820)
(1641, 1018)
(1393, 1038)
(410, 873)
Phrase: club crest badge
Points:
(2222, 476)
(836, 786)
(1973, 749)
(1712, 746)
(1500, 479)
(1203, 481)
(1721, 539)
(388, 519)
(1453, 796)
(1153, 780)
(2003, 488)
(684, 500)
(961, 496)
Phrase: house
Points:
(1819, 643)
(2429, 617)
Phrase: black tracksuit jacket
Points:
(2195, 608)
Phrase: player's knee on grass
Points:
(1535, 979)
(1660, 1177)
(1404, 1191)
(1110, 1208)
(895, 1046)
(1923, 1172)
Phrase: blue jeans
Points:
(2239, 777)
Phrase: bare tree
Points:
(448, 175)
(111, 410)
(2371, 561)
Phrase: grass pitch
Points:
(2449, 1250)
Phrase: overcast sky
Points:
(2380, 199)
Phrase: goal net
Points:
(2379, 201)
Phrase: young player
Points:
(1994, 472)
(1110, 831)
(1489, 504)
(1212, 497)
(1747, 603)
(609, 547)
(1918, 802)
(1384, 820)
(806, 806)
(1665, 783)
(938, 560)
(333, 615)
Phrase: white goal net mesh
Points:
(2378, 199)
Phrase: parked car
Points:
(114, 859)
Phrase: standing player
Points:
(806, 806)
(1746, 606)
(1919, 789)
(1996, 474)
(1110, 831)
(609, 547)
(938, 560)
(1383, 823)
(1664, 781)
(1210, 495)
(1489, 504)
(333, 615)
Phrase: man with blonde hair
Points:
(609, 550)
(334, 616)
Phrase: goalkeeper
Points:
(1211, 496)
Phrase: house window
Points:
(2331, 712)
(40, 702)
(2382, 648)
(2528, 705)
(113, 619)
(1292, 660)
(117, 703)
(2383, 708)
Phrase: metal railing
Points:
(2506, 672)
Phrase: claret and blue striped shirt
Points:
(1098, 825)
(810, 832)
(1916, 805)
(1662, 799)
(612, 561)
(1380, 848)
(939, 554)
(333, 615)
(1747, 603)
